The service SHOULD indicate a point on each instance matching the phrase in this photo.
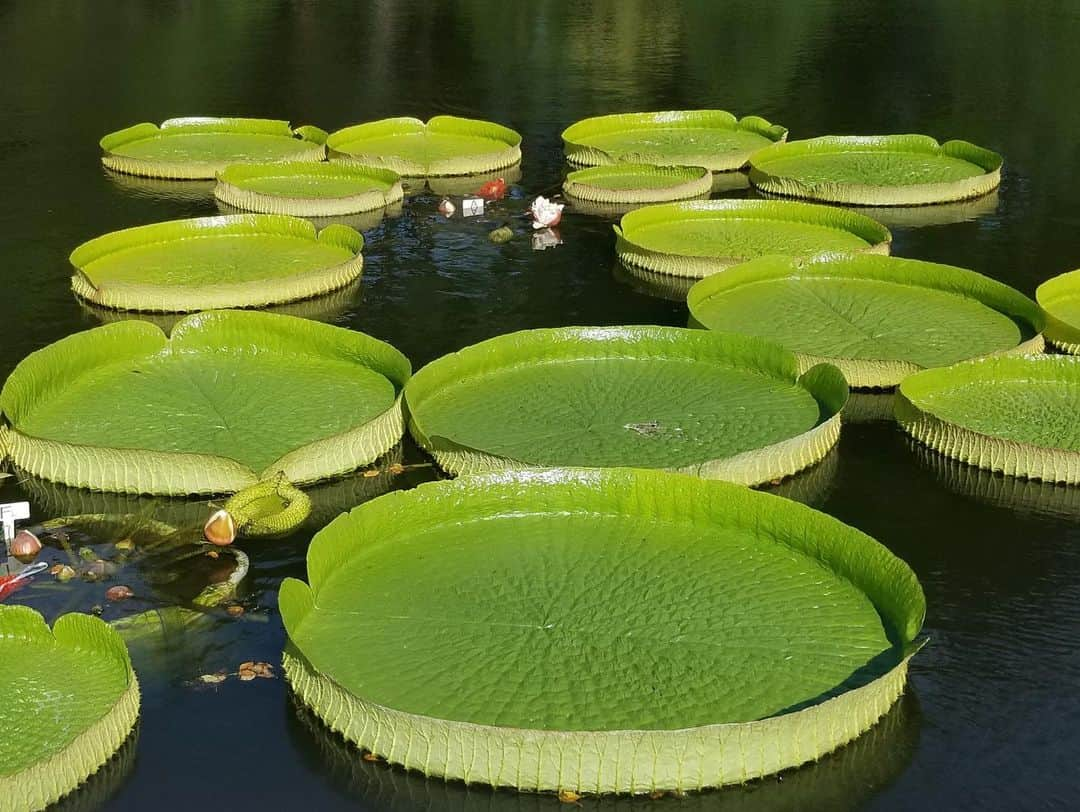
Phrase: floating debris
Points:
(119, 593)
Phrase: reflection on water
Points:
(869, 407)
(938, 214)
(658, 285)
(1015, 493)
(813, 485)
(843, 780)
(161, 189)
(332, 308)
(104, 784)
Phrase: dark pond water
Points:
(992, 718)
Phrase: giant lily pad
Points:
(308, 189)
(246, 260)
(1016, 415)
(637, 183)
(1060, 298)
(200, 147)
(714, 139)
(597, 631)
(229, 395)
(70, 701)
(876, 170)
(699, 238)
(877, 318)
(445, 145)
(724, 407)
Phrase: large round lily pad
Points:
(724, 407)
(876, 170)
(1060, 298)
(70, 701)
(308, 189)
(445, 145)
(231, 395)
(247, 260)
(714, 139)
(877, 318)
(637, 183)
(200, 147)
(699, 238)
(1017, 415)
(598, 631)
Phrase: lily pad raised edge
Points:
(231, 191)
(127, 470)
(862, 373)
(508, 155)
(878, 238)
(871, 195)
(149, 297)
(313, 138)
(47, 781)
(617, 761)
(993, 453)
(685, 182)
(824, 382)
(1061, 334)
(581, 154)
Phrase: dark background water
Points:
(992, 717)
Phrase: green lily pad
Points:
(1060, 298)
(457, 629)
(308, 189)
(714, 139)
(229, 395)
(1016, 415)
(725, 407)
(71, 699)
(876, 318)
(200, 147)
(637, 183)
(445, 145)
(248, 260)
(699, 238)
(876, 170)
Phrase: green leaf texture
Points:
(71, 699)
(876, 170)
(308, 189)
(719, 406)
(699, 238)
(445, 145)
(1060, 298)
(714, 139)
(1016, 415)
(877, 318)
(248, 260)
(200, 147)
(231, 397)
(637, 183)
(601, 631)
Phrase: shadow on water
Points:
(845, 779)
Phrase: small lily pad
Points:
(308, 189)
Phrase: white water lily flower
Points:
(545, 213)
